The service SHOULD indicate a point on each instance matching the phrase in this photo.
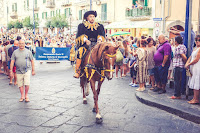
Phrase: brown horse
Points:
(98, 64)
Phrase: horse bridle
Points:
(110, 56)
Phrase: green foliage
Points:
(10, 25)
(28, 22)
(18, 25)
(57, 21)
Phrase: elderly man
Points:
(23, 60)
(162, 59)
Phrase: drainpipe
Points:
(164, 20)
(163, 14)
(199, 19)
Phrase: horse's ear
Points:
(116, 47)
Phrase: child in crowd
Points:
(133, 71)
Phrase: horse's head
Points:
(109, 58)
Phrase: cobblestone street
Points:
(56, 106)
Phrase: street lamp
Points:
(70, 19)
(33, 17)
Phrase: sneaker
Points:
(156, 89)
(147, 84)
(162, 91)
(131, 84)
(135, 85)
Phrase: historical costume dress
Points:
(87, 31)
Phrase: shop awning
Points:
(131, 24)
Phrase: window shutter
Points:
(12, 7)
(146, 3)
(16, 7)
(80, 14)
(46, 15)
(105, 12)
(65, 13)
(42, 15)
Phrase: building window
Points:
(44, 1)
(35, 3)
(14, 7)
(67, 12)
(104, 12)
(44, 15)
(141, 2)
(58, 12)
(36, 15)
(27, 4)
(81, 13)
(52, 13)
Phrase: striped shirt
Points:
(177, 60)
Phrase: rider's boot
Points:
(77, 71)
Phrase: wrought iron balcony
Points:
(139, 13)
(67, 3)
(36, 9)
(14, 15)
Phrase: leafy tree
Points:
(18, 25)
(10, 25)
(28, 22)
(57, 21)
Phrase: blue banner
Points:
(52, 54)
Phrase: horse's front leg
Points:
(82, 82)
(98, 91)
(88, 89)
(98, 116)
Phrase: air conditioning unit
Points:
(98, 2)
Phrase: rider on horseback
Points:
(88, 33)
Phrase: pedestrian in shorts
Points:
(24, 62)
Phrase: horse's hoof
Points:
(94, 110)
(87, 94)
(84, 101)
(99, 120)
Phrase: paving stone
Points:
(32, 121)
(57, 121)
(141, 128)
(67, 129)
(47, 114)
(41, 130)
(55, 109)
(16, 129)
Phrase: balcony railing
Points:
(14, 15)
(67, 3)
(50, 4)
(36, 9)
(139, 13)
(82, 3)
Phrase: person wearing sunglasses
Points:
(193, 64)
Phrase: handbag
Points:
(188, 73)
(119, 56)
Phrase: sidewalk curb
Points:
(180, 113)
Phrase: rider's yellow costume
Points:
(87, 31)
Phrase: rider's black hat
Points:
(88, 13)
